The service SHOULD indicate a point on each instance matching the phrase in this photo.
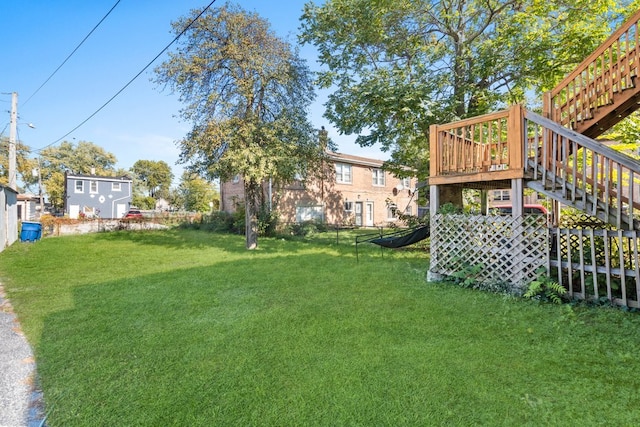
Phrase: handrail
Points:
(586, 142)
(606, 186)
(596, 54)
(597, 80)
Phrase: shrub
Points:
(306, 228)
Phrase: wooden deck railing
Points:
(585, 173)
(556, 161)
(484, 148)
(592, 85)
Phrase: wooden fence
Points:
(597, 263)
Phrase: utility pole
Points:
(12, 140)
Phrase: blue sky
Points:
(142, 122)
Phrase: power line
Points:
(129, 82)
(71, 54)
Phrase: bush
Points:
(306, 228)
(267, 222)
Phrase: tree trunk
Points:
(251, 214)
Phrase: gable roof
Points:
(354, 160)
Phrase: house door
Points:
(74, 211)
(368, 214)
(358, 214)
(121, 209)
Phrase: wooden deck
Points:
(485, 151)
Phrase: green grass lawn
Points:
(188, 328)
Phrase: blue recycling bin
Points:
(31, 231)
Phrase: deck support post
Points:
(434, 199)
(517, 197)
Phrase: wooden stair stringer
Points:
(605, 117)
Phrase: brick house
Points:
(97, 196)
(354, 191)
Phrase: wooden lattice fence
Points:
(499, 249)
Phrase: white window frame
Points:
(348, 206)
(378, 177)
(236, 178)
(79, 188)
(93, 187)
(502, 195)
(392, 212)
(341, 176)
(309, 213)
(406, 182)
(116, 186)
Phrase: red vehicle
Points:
(528, 209)
(133, 213)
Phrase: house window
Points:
(93, 187)
(378, 177)
(408, 210)
(348, 207)
(502, 195)
(343, 173)
(309, 213)
(116, 186)
(392, 212)
(406, 182)
(236, 179)
(79, 186)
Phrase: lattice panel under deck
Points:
(510, 250)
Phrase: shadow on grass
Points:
(316, 339)
(234, 343)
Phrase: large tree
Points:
(398, 66)
(247, 92)
(198, 194)
(81, 158)
(24, 164)
(155, 176)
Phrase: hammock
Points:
(403, 238)
(396, 239)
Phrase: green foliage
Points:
(545, 289)
(154, 175)
(449, 209)
(267, 221)
(80, 158)
(305, 229)
(413, 220)
(467, 277)
(197, 194)
(144, 202)
(398, 66)
(246, 92)
(24, 165)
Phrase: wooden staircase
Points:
(580, 172)
(603, 89)
(556, 155)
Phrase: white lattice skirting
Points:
(507, 250)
